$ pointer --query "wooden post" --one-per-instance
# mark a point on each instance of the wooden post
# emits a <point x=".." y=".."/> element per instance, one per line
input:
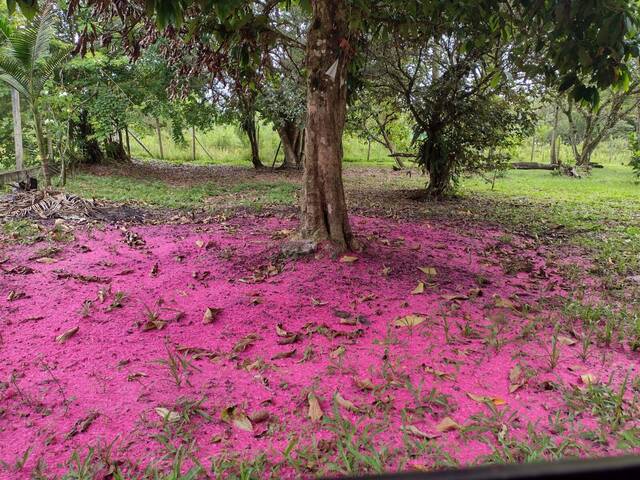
<point x="126" y="136"/>
<point x="159" y="131"/>
<point x="368" y="150"/>
<point x="533" y="147"/>
<point x="193" y="143"/>
<point x="17" y="128"/>
<point x="554" y="136"/>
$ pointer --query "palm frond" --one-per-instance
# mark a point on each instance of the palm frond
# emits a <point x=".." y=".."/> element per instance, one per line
<point x="5" y="29"/>
<point x="13" y="72"/>
<point x="43" y="25"/>
<point x="30" y="44"/>
<point x="47" y="68"/>
<point x="12" y="82"/>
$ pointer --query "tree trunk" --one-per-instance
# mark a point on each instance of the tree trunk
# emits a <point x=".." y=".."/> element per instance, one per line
<point x="249" y="127"/>
<point x="159" y="131"/>
<point x="126" y="136"/>
<point x="300" y="145"/>
<point x="83" y="132"/>
<point x="324" y="208"/>
<point x="439" y="166"/>
<point x="17" y="128"/>
<point x="533" y="148"/>
<point x="42" y="147"/>
<point x="289" y="136"/>
<point x="193" y="143"/>
<point x="554" y="159"/>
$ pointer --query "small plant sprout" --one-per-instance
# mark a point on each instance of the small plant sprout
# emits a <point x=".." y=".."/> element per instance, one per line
<point x="554" y="352"/>
<point x="118" y="301"/>
<point x="180" y="368"/>
<point x="85" y="310"/>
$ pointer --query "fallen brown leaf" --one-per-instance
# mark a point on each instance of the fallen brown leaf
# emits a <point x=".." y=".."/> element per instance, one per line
<point x="281" y="355"/>
<point x="447" y="424"/>
<point x="236" y="417"/>
<point x="210" y="314"/>
<point x="409" y="320"/>
<point x="416" y="432"/>
<point x="167" y="415"/>
<point x="430" y="271"/>
<point x="245" y="343"/>
<point x="315" y="412"/>
<point x="346" y="404"/>
<point x="497" y="401"/>
<point x="364" y="383"/>
<point x="67" y="335"/>
<point x="82" y="425"/>
<point x="419" y="289"/>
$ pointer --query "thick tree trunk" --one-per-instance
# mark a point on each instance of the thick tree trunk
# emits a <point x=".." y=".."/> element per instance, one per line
<point x="17" y="128"/>
<point x="439" y="166"/>
<point x="290" y="136"/>
<point x="324" y="208"/>
<point x="91" y="151"/>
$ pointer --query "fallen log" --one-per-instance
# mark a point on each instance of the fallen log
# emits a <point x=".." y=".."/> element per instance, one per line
<point x="533" y="166"/>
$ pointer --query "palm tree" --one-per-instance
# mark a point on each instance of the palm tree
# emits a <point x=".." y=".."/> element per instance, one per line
<point x="5" y="31"/>
<point x="26" y="64"/>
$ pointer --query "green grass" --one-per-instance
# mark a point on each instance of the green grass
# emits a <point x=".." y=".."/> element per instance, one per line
<point x="600" y="211"/>
<point x="158" y="193"/>
<point x="228" y="146"/>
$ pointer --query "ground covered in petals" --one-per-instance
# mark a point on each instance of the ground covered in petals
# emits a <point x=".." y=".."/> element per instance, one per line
<point x="214" y="346"/>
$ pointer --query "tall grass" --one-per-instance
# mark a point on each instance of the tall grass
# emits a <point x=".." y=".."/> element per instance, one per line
<point x="225" y="144"/>
<point x="614" y="151"/>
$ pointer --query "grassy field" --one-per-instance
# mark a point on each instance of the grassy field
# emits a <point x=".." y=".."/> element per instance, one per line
<point x="226" y="145"/>
<point x="600" y="212"/>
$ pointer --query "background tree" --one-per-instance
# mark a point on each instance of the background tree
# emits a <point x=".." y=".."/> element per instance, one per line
<point x="377" y="118"/>
<point x="589" y="126"/>
<point x="467" y="109"/>
<point x="27" y="64"/>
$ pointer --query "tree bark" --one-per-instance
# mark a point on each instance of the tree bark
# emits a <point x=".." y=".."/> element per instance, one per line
<point x="249" y="127"/>
<point x="42" y="147"/>
<point x="290" y="136"/>
<point x="324" y="209"/>
<point x="17" y="128"/>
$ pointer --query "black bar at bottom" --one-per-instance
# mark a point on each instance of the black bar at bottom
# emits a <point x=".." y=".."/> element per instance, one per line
<point x="605" y="468"/>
